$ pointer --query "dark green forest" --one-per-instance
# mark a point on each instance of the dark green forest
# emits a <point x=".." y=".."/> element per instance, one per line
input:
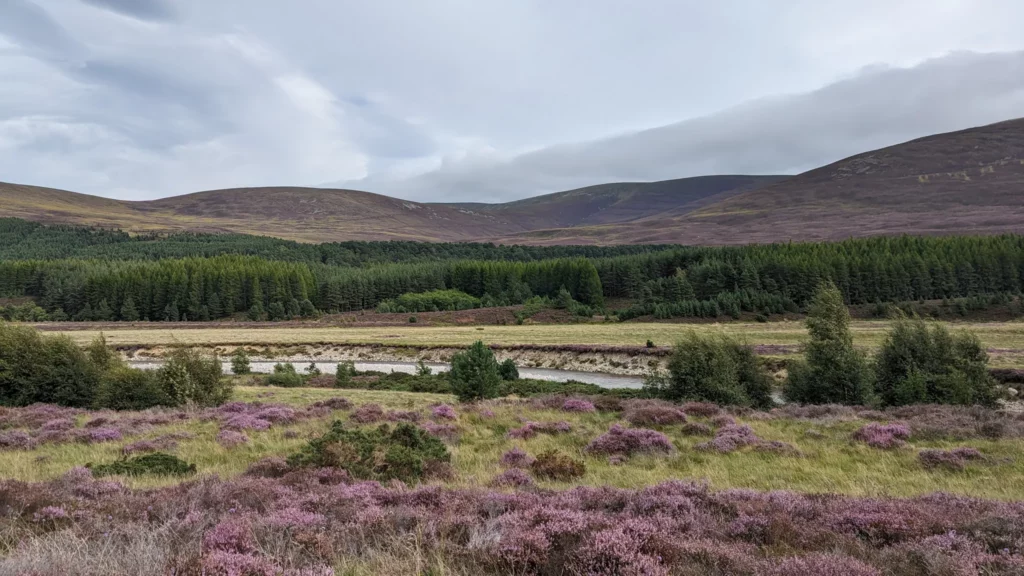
<point x="86" y="274"/>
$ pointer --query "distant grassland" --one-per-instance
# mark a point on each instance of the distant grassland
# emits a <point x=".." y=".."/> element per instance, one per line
<point x="1004" y="339"/>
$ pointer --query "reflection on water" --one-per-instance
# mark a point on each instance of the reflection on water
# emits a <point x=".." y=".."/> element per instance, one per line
<point x="600" y="379"/>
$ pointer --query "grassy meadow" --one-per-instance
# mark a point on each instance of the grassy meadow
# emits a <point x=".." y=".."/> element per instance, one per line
<point x="829" y="462"/>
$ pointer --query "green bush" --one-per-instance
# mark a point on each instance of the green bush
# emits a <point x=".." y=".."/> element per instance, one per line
<point x="191" y="377"/>
<point x="240" y="362"/>
<point x="917" y="364"/>
<point x="474" y="374"/>
<point x="405" y="452"/>
<point x="832" y="372"/>
<point x="155" y="464"/>
<point x="343" y="374"/>
<point x="555" y="465"/>
<point x="714" y="369"/>
<point x="126" y="388"/>
<point x="285" y="376"/>
<point x="49" y="369"/>
<point x="431" y="301"/>
<point x="508" y="370"/>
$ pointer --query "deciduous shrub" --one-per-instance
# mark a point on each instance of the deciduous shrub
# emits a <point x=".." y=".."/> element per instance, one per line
<point x="630" y="441"/>
<point x="155" y="464"/>
<point x="124" y="388"/>
<point x="46" y="369"/>
<point x="474" y="373"/>
<point x="559" y="466"/>
<point x="832" y="372"/>
<point x="404" y="452"/>
<point x="191" y="377"/>
<point x="714" y="369"/>
<point x="286" y="376"/>
<point x="918" y="364"/>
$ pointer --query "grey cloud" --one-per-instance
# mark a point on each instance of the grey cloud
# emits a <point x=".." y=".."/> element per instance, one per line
<point x="879" y="107"/>
<point x="32" y="27"/>
<point x="140" y="9"/>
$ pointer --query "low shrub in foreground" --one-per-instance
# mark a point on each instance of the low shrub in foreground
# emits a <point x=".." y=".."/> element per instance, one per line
<point x="155" y="464"/>
<point x="653" y="413"/>
<point x="404" y="452"/>
<point x="954" y="459"/>
<point x="630" y="441"/>
<point x="558" y="466"/>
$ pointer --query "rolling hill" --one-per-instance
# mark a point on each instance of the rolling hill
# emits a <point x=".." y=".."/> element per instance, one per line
<point x="966" y="182"/>
<point x="971" y="181"/>
<point x="321" y="215"/>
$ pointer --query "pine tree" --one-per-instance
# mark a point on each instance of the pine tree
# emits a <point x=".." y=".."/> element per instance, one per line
<point x="128" y="311"/>
<point x="474" y="373"/>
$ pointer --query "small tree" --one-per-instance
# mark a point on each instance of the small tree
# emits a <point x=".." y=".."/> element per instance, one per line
<point x="474" y="374"/>
<point x="508" y="370"/>
<point x="343" y="375"/>
<point x="832" y="372"/>
<point x="422" y="369"/>
<point x="312" y="370"/>
<point x="192" y="377"/>
<point x="240" y="362"/>
<point x="129" y="313"/>
<point x="920" y="365"/>
<point x="714" y="369"/>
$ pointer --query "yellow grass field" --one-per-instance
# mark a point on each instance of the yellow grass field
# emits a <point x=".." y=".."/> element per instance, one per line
<point x="999" y="337"/>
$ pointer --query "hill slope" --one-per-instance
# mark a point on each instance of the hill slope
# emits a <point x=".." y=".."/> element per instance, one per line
<point x="321" y="215"/>
<point x="968" y="182"/>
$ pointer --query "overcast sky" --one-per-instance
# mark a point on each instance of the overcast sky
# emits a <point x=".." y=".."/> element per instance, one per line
<point x="482" y="100"/>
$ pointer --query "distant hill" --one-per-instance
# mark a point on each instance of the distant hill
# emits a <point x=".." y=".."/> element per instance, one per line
<point x="320" y="215"/>
<point x="966" y="182"/>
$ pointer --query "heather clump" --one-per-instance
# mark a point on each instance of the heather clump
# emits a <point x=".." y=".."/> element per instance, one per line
<point x="230" y="438"/>
<point x="630" y="441"/>
<point x="532" y="429"/>
<point x="444" y="412"/>
<point x="701" y="409"/>
<point x="558" y="466"/>
<point x="729" y="438"/>
<point x="653" y="413"/>
<point x="512" y="478"/>
<point x="516" y="458"/>
<point x="697" y="429"/>
<point x="883" y="436"/>
<point x="955" y="459"/>
<point x="578" y="405"/>
<point x="368" y="414"/>
<point x="404" y="452"/>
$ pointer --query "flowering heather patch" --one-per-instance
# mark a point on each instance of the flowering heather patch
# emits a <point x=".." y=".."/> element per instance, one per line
<point x="245" y="422"/>
<point x="648" y="413"/>
<point x="444" y="412"/>
<point x="954" y="459"/>
<point x="730" y="438"/>
<point x="512" y="478"/>
<point x="884" y="436"/>
<point x="301" y="521"/>
<point x="368" y="414"/>
<point x="97" y="435"/>
<point x="402" y="416"/>
<point x="516" y="458"/>
<point x="230" y="438"/>
<point x="630" y="441"/>
<point x="722" y="421"/>
<point x="578" y="405"/>
<point x="532" y="429"/>
<point x="16" y="440"/>
<point x="448" y="432"/>
<point x="702" y="409"/>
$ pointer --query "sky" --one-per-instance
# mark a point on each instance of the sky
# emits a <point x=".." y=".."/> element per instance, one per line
<point x="482" y="100"/>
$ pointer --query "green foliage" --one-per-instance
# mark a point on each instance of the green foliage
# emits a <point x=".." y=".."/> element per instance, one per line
<point x="124" y="388"/>
<point x="312" y="370"/>
<point x="405" y="452"/>
<point x="920" y="364"/>
<point x="286" y="376"/>
<point x="422" y="369"/>
<point x="431" y="301"/>
<point x="240" y="362"/>
<point x="48" y="369"/>
<point x="191" y="377"/>
<point x="154" y="464"/>
<point x="833" y="372"/>
<point x="558" y="466"/>
<point x="344" y="373"/>
<point x="508" y="370"/>
<point x="714" y="368"/>
<point x="474" y="374"/>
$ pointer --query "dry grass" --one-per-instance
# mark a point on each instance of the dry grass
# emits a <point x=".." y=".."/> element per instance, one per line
<point x="1004" y="339"/>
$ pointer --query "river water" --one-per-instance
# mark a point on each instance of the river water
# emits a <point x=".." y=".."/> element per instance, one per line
<point x="598" y="378"/>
